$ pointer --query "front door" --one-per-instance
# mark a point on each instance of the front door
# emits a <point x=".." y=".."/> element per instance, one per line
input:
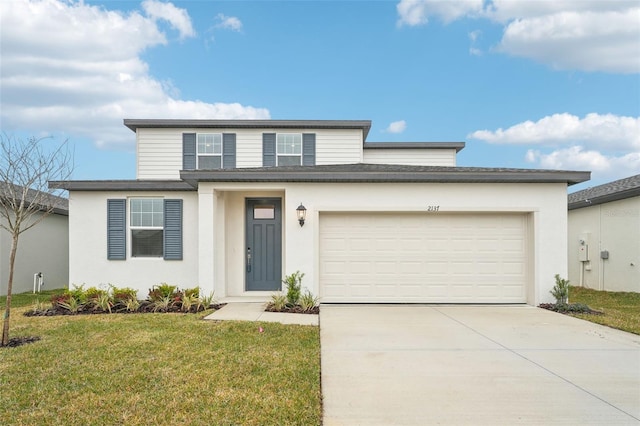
<point x="263" y="256"/>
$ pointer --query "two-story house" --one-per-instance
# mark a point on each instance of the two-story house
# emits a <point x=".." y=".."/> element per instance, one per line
<point x="234" y="205"/>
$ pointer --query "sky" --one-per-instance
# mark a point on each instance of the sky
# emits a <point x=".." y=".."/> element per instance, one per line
<point x="526" y="84"/>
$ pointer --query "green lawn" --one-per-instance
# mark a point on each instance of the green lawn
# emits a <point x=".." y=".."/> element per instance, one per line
<point x="149" y="369"/>
<point x="621" y="309"/>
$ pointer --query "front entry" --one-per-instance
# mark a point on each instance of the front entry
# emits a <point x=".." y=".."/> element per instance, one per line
<point x="263" y="256"/>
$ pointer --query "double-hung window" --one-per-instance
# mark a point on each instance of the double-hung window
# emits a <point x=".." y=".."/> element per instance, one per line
<point x="289" y="149"/>
<point x="147" y="227"/>
<point x="209" y="151"/>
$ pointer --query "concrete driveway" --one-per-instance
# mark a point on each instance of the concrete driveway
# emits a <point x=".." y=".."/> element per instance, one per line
<point x="493" y="365"/>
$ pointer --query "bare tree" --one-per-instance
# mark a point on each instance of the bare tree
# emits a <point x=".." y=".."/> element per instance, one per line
<point x="26" y="167"/>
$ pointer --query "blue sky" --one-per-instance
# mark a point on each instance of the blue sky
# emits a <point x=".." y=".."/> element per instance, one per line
<point x="527" y="84"/>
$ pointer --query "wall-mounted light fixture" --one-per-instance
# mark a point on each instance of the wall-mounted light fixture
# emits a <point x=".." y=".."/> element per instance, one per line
<point x="301" y="211"/>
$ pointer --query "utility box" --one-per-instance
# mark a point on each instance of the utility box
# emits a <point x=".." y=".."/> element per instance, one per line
<point x="583" y="253"/>
<point x="604" y="254"/>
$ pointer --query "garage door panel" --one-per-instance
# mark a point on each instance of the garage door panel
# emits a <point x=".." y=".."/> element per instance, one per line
<point x="419" y="258"/>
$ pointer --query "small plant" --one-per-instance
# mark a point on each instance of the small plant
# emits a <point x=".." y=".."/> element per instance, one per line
<point x="189" y="301"/>
<point x="93" y="293"/>
<point x="278" y="301"/>
<point x="192" y="292"/>
<point x="207" y="301"/>
<point x="131" y="305"/>
<point x="77" y="293"/>
<point x="294" y="284"/>
<point x="162" y="305"/>
<point x="72" y="305"/>
<point x="308" y="301"/>
<point x="561" y="290"/>
<point x="121" y="295"/>
<point x="161" y="291"/>
<point x="39" y="306"/>
<point x="103" y="302"/>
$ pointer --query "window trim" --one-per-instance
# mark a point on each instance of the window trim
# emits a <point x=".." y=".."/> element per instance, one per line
<point x="131" y="227"/>
<point x="220" y="155"/>
<point x="300" y="156"/>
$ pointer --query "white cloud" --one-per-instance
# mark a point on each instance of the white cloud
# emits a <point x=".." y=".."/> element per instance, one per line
<point x="228" y="22"/>
<point x="604" y="166"/>
<point x="607" y="144"/>
<point x="606" y="131"/>
<point x="177" y="18"/>
<point x="397" y="127"/>
<point x="572" y="35"/>
<point x="417" y="12"/>
<point x="76" y="68"/>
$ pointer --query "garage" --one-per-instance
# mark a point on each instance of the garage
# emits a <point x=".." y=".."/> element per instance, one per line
<point x="423" y="257"/>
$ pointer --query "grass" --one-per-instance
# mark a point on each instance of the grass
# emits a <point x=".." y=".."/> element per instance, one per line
<point x="147" y="369"/>
<point x="621" y="309"/>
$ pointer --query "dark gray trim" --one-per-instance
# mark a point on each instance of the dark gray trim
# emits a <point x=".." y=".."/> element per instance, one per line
<point x="228" y="150"/>
<point x="269" y="149"/>
<point x="386" y="173"/>
<point x="613" y="191"/>
<point x="117" y="229"/>
<point x="173" y="229"/>
<point x="189" y="151"/>
<point x="308" y="149"/>
<point x="458" y="146"/>
<point x="122" y="185"/>
<point x="364" y="125"/>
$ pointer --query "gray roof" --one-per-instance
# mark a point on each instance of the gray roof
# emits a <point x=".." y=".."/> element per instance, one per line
<point x="60" y="204"/>
<point x="384" y="173"/>
<point x="122" y="185"/>
<point x="414" y="145"/>
<point x="364" y="125"/>
<point x="612" y="191"/>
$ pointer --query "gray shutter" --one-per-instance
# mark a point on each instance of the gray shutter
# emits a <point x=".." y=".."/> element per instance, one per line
<point x="173" y="229"/>
<point x="188" y="151"/>
<point x="269" y="149"/>
<point x="228" y="150"/>
<point x="308" y="149"/>
<point x="117" y="229"/>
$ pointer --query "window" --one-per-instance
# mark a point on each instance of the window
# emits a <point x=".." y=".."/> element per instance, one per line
<point x="289" y="149"/>
<point x="209" y="150"/>
<point x="147" y="227"/>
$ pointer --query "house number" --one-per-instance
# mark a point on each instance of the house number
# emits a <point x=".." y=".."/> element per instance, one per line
<point x="433" y="208"/>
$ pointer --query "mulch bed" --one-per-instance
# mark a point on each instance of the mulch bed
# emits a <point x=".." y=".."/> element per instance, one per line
<point x="572" y="308"/>
<point x="294" y="310"/>
<point x="145" y="307"/>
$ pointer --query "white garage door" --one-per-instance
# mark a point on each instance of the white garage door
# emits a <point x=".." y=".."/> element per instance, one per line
<point x="437" y="258"/>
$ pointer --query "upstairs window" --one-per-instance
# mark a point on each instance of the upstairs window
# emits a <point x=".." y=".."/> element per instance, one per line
<point x="289" y="149"/>
<point x="209" y="151"/>
<point x="147" y="227"/>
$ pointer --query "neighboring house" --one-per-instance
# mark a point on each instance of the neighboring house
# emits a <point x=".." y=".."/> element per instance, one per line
<point x="43" y="248"/>
<point x="604" y="236"/>
<point x="215" y="204"/>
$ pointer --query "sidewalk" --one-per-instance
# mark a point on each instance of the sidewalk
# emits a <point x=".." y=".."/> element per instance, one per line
<point x="254" y="311"/>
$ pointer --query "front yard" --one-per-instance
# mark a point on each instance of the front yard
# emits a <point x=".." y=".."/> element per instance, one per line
<point x="621" y="309"/>
<point x="147" y="369"/>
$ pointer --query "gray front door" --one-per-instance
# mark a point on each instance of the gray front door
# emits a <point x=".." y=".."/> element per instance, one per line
<point x="263" y="256"/>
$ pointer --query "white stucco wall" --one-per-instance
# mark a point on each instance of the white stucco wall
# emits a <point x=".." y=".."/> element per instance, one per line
<point x="544" y="203"/>
<point x="88" y="246"/>
<point x="43" y="248"/>
<point x="614" y="227"/>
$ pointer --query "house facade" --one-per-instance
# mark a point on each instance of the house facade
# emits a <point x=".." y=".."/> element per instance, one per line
<point x="43" y="249"/>
<point x="604" y="236"/>
<point x="215" y="204"/>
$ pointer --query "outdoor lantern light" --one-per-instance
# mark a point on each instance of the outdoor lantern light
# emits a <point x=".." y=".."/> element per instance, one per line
<point x="301" y="211"/>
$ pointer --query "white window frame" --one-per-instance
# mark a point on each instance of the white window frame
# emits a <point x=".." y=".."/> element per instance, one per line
<point x="132" y="227"/>
<point x="207" y="154"/>
<point x="278" y="154"/>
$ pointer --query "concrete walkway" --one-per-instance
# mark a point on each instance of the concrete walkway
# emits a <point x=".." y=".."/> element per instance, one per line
<point x="254" y="311"/>
<point x="475" y="365"/>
